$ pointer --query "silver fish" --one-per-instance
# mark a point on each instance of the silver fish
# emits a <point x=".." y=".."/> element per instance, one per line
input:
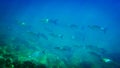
<point x="97" y="27"/>
<point x="47" y="20"/>
<point x="74" y="26"/>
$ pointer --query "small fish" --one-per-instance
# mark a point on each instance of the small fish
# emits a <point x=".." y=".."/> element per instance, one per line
<point x="33" y="33"/>
<point x="97" y="27"/>
<point x="95" y="54"/>
<point x="111" y="61"/>
<point x="38" y="35"/>
<point x="20" y="23"/>
<point x="56" y="35"/>
<point x="47" y="20"/>
<point x="44" y="20"/>
<point x="53" y="21"/>
<point x="96" y="49"/>
<point x="73" y="26"/>
<point x="43" y="36"/>
<point x="62" y="48"/>
<point x="107" y="60"/>
<point x="53" y="35"/>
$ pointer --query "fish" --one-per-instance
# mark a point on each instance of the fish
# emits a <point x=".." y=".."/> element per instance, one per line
<point x="96" y="49"/>
<point x="53" y="34"/>
<point x="97" y="27"/>
<point x="33" y="33"/>
<point x="50" y="21"/>
<point x="38" y="35"/>
<point x="21" y="23"/>
<point x="56" y="35"/>
<point x="95" y="54"/>
<point x="44" y="20"/>
<point x="43" y="36"/>
<point x="64" y="48"/>
<point x="53" y="21"/>
<point x="74" y="26"/>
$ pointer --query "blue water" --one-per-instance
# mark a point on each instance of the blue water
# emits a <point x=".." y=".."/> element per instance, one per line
<point x="71" y="30"/>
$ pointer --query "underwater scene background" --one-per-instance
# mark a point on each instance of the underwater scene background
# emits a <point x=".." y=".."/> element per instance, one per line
<point x="59" y="34"/>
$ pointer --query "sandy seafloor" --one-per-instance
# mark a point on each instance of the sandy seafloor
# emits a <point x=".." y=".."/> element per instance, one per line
<point x="59" y="34"/>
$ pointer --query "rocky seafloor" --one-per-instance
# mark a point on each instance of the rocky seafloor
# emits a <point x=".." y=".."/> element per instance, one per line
<point x="26" y="58"/>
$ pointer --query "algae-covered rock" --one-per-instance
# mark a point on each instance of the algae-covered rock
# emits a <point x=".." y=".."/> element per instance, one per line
<point x="44" y="60"/>
<point x="52" y="61"/>
<point x="17" y="64"/>
<point x="62" y="64"/>
<point x="9" y="62"/>
<point x="41" y="66"/>
<point x="28" y="64"/>
<point x="2" y="62"/>
<point x="2" y="51"/>
<point x="6" y="62"/>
